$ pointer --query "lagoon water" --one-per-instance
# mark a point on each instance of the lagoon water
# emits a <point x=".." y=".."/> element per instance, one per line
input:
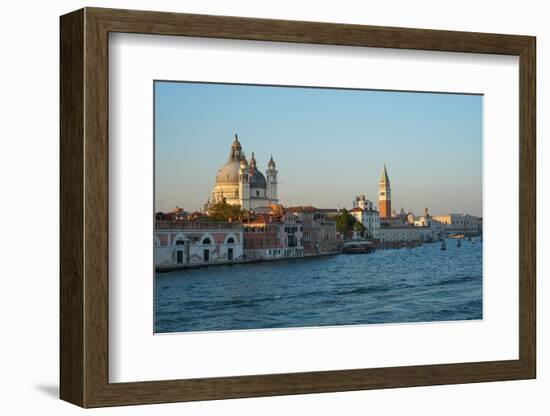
<point x="421" y="284"/>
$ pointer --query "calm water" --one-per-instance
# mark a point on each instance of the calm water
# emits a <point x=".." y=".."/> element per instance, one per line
<point x="421" y="284"/>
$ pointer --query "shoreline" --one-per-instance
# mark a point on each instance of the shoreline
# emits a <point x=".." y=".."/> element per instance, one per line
<point x="398" y="245"/>
<point x="166" y="269"/>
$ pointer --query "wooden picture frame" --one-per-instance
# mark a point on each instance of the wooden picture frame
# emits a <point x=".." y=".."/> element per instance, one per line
<point x="84" y="207"/>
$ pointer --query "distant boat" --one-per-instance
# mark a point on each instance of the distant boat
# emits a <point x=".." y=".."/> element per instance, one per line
<point x="358" y="247"/>
<point x="456" y="236"/>
<point x="443" y="245"/>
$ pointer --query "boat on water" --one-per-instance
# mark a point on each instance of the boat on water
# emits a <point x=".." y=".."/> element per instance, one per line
<point x="358" y="247"/>
<point x="456" y="236"/>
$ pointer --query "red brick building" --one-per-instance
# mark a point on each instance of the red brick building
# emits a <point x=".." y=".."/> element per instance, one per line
<point x="268" y="236"/>
<point x="319" y="231"/>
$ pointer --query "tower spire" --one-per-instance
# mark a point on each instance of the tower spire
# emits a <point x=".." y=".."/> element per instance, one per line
<point x="384" y="175"/>
<point x="384" y="194"/>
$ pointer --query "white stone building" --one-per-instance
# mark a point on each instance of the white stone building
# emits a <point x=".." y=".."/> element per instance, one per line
<point x="370" y="219"/>
<point x="239" y="182"/>
<point x="427" y="220"/>
<point x="460" y="223"/>
<point x="362" y="202"/>
<point x="180" y="244"/>
<point x="406" y="234"/>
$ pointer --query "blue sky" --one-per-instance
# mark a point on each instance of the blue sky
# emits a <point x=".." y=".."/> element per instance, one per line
<point x="329" y="144"/>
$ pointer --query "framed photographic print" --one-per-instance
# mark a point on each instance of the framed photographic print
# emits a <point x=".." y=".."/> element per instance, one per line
<point x="255" y="207"/>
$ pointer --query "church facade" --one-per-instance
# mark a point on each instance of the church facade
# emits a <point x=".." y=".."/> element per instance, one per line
<point x="240" y="182"/>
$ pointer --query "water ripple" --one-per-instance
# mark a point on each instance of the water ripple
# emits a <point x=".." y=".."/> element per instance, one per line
<point x="422" y="284"/>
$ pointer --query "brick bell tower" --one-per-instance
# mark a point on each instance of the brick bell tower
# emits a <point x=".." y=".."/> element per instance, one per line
<point x="384" y="194"/>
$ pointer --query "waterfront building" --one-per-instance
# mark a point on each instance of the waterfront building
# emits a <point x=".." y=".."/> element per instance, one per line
<point x="397" y="220"/>
<point x="405" y="233"/>
<point x="427" y="220"/>
<point x="362" y="202"/>
<point x="424" y="220"/>
<point x="460" y="223"/>
<point x="319" y="231"/>
<point x="182" y="243"/>
<point x="384" y="195"/>
<point x="369" y="217"/>
<point x="268" y="237"/>
<point x="239" y="182"/>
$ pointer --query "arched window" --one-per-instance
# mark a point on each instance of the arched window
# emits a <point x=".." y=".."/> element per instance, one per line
<point x="207" y="241"/>
<point x="230" y="240"/>
<point x="180" y="242"/>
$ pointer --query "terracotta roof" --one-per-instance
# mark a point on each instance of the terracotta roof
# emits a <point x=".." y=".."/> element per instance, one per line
<point x="304" y="208"/>
<point x="262" y="219"/>
<point x="310" y="208"/>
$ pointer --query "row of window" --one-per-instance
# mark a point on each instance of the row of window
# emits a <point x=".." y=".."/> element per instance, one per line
<point x="249" y="242"/>
<point x="256" y="229"/>
<point x="263" y="229"/>
<point x="181" y="258"/>
<point x="292" y="241"/>
<point x="286" y="252"/>
<point x="462" y="222"/>
<point x="205" y="241"/>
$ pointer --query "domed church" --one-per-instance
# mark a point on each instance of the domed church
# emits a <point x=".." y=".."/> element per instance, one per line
<point x="240" y="182"/>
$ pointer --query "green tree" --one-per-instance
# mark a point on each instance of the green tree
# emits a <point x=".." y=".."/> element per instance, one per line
<point x="359" y="227"/>
<point x="345" y="222"/>
<point x="222" y="211"/>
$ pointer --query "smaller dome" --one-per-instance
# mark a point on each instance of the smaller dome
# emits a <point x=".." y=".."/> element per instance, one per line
<point x="257" y="180"/>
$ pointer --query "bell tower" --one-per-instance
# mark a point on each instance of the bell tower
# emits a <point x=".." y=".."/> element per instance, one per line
<point x="244" y="184"/>
<point x="271" y="175"/>
<point x="384" y="194"/>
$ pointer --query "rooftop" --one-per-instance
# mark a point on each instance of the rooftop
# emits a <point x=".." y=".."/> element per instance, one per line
<point x="196" y="225"/>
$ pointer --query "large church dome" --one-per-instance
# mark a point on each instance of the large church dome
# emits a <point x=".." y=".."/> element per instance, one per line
<point x="228" y="174"/>
<point x="254" y="192"/>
